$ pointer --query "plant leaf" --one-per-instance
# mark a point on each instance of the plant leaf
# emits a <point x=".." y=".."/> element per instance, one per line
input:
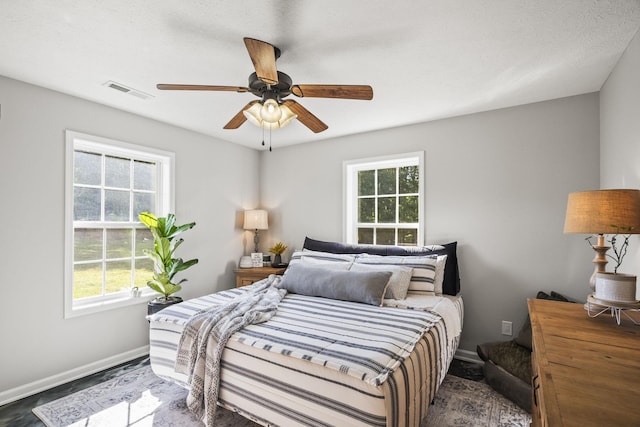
<point x="148" y="219"/>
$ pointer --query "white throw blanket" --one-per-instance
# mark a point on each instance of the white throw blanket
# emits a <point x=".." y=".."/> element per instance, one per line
<point x="206" y="334"/>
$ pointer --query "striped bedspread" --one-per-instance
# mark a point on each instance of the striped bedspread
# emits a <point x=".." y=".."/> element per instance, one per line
<point x="321" y="362"/>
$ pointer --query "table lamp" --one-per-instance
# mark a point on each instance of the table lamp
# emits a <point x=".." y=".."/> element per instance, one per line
<point x="603" y="212"/>
<point x="256" y="220"/>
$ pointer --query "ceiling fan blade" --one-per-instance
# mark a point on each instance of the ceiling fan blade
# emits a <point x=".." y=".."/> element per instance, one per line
<point x="263" y="56"/>
<point x="202" y="87"/>
<point x="305" y="116"/>
<point x="363" y="92"/>
<point x="239" y="118"/>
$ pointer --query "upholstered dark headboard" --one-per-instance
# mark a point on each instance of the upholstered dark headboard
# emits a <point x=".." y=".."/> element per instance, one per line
<point x="451" y="283"/>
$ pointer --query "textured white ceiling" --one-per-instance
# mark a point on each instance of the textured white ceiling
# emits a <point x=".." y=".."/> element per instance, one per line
<point x="424" y="59"/>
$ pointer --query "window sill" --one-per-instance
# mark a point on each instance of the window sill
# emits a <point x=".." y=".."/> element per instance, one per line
<point x="125" y="300"/>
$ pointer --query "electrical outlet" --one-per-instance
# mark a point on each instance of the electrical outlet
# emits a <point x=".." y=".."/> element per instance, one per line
<point x="507" y="328"/>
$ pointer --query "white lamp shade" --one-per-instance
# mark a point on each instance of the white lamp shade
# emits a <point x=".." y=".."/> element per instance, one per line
<point x="270" y="111"/>
<point x="253" y="114"/>
<point x="256" y="220"/>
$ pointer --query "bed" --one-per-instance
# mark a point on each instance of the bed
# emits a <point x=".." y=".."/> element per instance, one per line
<point x="328" y="360"/>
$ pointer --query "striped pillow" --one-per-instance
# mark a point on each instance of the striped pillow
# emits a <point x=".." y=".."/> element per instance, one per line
<point x="324" y="259"/>
<point x="424" y="269"/>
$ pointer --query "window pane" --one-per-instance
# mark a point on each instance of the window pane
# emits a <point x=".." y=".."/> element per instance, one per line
<point x="87" y="280"/>
<point x="87" y="244"/>
<point x="408" y="208"/>
<point x="118" y="276"/>
<point x="387" y="209"/>
<point x="386" y="236"/>
<point x="409" y="179"/>
<point x="87" y="168"/>
<point x="143" y="202"/>
<point x="366" y="183"/>
<point x="366" y="210"/>
<point x="86" y="204"/>
<point x="118" y="243"/>
<point x="117" y="172"/>
<point x="365" y="236"/>
<point x="116" y="205"/>
<point x="144" y="175"/>
<point x="387" y="181"/>
<point x="407" y="236"/>
<point x="144" y="240"/>
<point x="144" y="272"/>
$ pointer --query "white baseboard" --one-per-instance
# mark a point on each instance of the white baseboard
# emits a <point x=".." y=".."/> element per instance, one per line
<point x="73" y="374"/>
<point x="468" y="356"/>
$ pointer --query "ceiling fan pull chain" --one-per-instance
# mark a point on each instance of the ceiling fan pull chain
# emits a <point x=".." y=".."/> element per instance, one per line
<point x="262" y="135"/>
<point x="270" y="138"/>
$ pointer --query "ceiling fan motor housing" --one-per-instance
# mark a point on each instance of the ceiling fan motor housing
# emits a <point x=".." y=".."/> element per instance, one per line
<point x="278" y="91"/>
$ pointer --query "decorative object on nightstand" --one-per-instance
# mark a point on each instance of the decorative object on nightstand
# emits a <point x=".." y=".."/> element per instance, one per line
<point x="612" y="212"/>
<point x="247" y="276"/>
<point x="256" y="220"/>
<point x="245" y="262"/>
<point x="277" y="250"/>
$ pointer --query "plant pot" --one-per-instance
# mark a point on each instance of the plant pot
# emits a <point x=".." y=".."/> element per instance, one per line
<point x="277" y="260"/>
<point x="159" y="303"/>
<point x="615" y="287"/>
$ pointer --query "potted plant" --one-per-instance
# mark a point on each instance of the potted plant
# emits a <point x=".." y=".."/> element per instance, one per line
<point x="277" y="250"/>
<point x="614" y="286"/>
<point x="165" y="266"/>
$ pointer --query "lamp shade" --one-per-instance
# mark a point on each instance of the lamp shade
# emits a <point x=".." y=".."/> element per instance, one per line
<point x="254" y="115"/>
<point x="270" y="111"/>
<point x="603" y="212"/>
<point x="256" y="220"/>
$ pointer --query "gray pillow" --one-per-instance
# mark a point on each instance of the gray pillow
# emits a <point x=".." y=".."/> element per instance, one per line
<point x="399" y="281"/>
<point x="357" y="286"/>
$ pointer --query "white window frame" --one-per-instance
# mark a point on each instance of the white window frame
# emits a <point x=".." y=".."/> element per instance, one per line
<point x="350" y="189"/>
<point x="164" y="204"/>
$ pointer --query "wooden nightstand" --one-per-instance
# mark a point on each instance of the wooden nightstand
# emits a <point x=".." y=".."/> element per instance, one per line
<point x="247" y="276"/>
<point x="585" y="370"/>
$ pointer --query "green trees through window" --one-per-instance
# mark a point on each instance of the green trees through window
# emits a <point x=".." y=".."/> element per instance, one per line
<point x="386" y="209"/>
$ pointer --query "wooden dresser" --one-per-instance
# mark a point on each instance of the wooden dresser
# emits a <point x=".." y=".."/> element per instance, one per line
<point x="585" y="371"/>
<point x="247" y="276"/>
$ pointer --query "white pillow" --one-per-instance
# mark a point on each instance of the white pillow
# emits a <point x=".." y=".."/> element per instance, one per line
<point x="439" y="279"/>
<point x="424" y="269"/>
<point x="398" y="282"/>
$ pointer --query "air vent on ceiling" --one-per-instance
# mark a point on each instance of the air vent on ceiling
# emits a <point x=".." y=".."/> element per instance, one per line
<point x="125" y="89"/>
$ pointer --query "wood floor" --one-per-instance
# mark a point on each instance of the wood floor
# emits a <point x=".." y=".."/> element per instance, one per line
<point x="18" y="413"/>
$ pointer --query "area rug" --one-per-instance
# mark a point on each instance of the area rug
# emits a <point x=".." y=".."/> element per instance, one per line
<point x="139" y="398"/>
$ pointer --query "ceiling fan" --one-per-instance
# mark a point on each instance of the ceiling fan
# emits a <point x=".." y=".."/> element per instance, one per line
<point x="272" y="111"/>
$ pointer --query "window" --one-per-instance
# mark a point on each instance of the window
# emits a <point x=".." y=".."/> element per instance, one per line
<point x="384" y="200"/>
<point x="107" y="184"/>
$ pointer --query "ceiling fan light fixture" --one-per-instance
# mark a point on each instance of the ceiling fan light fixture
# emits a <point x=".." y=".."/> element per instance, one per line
<point x="254" y="115"/>
<point x="287" y="116"/>
<point x="270" y="111"/>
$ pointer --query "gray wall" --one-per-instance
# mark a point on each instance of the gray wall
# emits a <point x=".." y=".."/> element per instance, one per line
<point x="215" y="181"/>
<point x="497" y="182"/>
<point x="620" y="136"/>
